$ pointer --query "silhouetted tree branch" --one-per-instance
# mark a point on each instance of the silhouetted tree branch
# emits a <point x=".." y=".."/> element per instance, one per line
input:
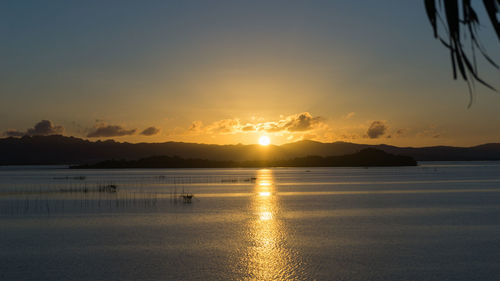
<point x="461" y="21"/>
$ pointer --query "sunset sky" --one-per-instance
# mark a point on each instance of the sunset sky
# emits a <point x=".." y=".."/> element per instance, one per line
<point x="228" y="72"/>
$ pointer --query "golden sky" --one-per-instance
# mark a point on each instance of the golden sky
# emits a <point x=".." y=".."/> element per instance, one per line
<point x="228" y="72"/>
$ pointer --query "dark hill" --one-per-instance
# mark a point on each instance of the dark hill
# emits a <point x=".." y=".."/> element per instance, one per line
<point x="368" y="157"/>
<point x="58" y="149"/>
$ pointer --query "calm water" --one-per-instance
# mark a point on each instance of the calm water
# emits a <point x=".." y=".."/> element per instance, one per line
<point x="437" y="221"/>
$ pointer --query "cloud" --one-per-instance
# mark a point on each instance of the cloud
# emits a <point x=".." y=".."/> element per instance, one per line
<point x="103" y="130"/>
<point x="302" y="122"/>
<point x="349" y="115"/>
<point x="249" y="128"/>
<point x="271" y="127"/>
<point x="294" y="123"/>
<point x="397" y="133"/>
<point x="195" y="126"/>
<point x="347" y="136"/>
<point x="297" y="123"/>
<point x="42" y="128"/>
<point x="309" y="137"/>
<point x="225" y="126"/>
<point x="13" y="133"/>
<point x="45" y="128"/>
<point x="150" y="131"/>
<point x="376" y="129"/>
<point x="430" y="132"/>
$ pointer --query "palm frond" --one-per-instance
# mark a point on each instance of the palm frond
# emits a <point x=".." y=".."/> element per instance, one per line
<point x="461" y="18"/>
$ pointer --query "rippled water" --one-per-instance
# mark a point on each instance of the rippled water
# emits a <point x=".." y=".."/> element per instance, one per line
<point x="437" y="221"/>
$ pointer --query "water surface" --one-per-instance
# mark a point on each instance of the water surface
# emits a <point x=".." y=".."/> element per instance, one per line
<point x="437" y="221"/>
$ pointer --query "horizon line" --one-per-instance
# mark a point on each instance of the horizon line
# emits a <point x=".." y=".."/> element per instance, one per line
<point x="254" y="144"/>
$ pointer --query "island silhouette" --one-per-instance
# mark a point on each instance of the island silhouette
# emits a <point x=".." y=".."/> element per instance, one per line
<point x="367" y="157"/>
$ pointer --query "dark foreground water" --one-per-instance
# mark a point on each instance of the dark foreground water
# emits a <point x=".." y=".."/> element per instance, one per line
<point x="437" y="221"/>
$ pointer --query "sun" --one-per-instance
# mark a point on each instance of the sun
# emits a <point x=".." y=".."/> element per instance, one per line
<point x="264" y="140"/>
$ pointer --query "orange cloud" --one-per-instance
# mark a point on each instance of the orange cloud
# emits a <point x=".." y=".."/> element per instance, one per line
<point x="195" y="126"/>
<point x="302" y="122"/>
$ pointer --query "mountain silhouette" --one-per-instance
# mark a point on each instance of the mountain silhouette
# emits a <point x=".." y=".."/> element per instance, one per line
<point x="57" y="149"/>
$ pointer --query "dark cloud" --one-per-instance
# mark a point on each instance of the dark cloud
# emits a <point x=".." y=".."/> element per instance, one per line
<point x="376" y="129"/>
<point x="302" y="122"/>
<point x="349" y="136"/>
<point x="107" y="131"/>
<point x="150" y="131"/>
<point x="45" y="128"/>
<point x="42" y="128"/>
<point x="400" y="132"/>
<point x="14" y="133"/>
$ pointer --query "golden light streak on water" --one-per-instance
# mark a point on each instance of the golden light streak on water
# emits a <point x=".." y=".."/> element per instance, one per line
<point x="265" y="193"/>
<point x="268" y="257"/>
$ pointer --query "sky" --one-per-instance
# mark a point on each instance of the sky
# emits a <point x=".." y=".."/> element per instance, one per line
<point x="228" y="72"/>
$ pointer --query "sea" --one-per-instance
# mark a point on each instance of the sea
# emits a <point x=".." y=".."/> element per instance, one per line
<point x="436" y="221"/>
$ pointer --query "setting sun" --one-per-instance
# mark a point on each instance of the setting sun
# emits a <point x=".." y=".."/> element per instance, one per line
<point x="264" y="140"/>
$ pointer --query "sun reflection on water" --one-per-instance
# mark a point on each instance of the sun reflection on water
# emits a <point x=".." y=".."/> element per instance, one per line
<point x="267" y="257"/>
<point x="265" y="193"/>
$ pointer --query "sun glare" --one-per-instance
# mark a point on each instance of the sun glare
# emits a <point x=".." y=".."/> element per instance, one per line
<point x="264" y="140"/>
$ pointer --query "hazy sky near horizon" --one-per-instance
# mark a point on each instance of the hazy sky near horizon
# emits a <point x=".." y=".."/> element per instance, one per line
<point x="231" y="71"/>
